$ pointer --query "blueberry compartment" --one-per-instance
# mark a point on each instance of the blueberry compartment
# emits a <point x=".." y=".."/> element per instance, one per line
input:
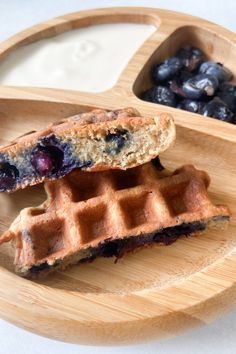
<point x="215" y="48"/>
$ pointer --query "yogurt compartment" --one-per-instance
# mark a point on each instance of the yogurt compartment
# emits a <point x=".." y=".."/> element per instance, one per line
<point x="87" y="59"/>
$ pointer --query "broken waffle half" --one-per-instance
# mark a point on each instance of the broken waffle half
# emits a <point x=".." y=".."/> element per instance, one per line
<point x="110" y="213"/>
<point x="97" y="140"/>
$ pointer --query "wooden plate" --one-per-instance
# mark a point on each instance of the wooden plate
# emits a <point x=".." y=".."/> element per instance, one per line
<point x="156" y="292"/>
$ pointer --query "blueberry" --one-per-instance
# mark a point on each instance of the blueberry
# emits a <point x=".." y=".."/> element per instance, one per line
<point x="183" y="76"/>
<point x="8" y="175"/>
<point x="162" y="95"/>
<point x="116" y="141"/>
<point x="227" y="92"/>
<point x="216" y="108"/>
<point x="47" y="160"/>
<point x="176" y="84"/>
<point x="190" y="57"/>
<point x="217" y="70"/>
<point x="191" y="105"/>
<point x="166" y="70"/>
<point x="199" y="85"/>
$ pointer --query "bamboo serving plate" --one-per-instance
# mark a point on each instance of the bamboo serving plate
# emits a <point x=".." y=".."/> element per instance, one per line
<point x="158" y="292"/>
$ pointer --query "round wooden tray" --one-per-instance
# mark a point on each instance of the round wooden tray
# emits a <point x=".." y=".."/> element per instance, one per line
<point x="156" y="292"/>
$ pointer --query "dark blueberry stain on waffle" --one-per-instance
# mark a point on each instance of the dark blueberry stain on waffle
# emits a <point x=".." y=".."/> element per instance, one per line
<point x="8" y="176"/>
<point x="38" y="268"/>
<point x="167" y="236"/>
<point x="110" y="248"/>
<point x="117" y="248"/>
<point x="116" y="141"/>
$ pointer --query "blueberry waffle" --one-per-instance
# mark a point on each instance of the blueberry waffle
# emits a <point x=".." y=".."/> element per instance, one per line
<point x="98" y="140"/>
<point x="110" y="213"/>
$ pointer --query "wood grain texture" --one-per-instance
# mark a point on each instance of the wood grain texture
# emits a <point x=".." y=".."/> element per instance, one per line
<point x="157" y="292"/>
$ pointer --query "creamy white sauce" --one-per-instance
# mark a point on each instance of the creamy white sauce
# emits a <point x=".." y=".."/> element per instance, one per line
<point x="87" y="59"/>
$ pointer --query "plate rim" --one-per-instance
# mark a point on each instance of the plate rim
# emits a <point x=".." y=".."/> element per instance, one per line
<point x="28" y="293"/>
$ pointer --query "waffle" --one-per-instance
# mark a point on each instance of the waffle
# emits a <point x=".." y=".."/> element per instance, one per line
<point x="98" y="140"/>
<point x="110" y="213"/>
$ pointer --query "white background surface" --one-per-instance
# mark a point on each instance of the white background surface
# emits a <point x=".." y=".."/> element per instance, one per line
<point x="217" y="338"/>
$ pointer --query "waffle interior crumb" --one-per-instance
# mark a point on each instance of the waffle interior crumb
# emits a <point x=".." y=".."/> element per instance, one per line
<point x="99" y="141"/>
<point x="123" y="148"/>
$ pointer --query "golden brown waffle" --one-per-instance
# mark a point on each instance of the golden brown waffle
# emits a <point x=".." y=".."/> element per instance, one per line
<point x="109" y="213"/>
<point x="93" y="141"/>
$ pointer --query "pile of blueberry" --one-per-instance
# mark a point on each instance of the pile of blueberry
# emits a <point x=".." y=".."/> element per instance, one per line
<point x="187" y="81"/>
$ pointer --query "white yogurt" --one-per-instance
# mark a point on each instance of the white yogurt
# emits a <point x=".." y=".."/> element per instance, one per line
<point x="87" y="59"/>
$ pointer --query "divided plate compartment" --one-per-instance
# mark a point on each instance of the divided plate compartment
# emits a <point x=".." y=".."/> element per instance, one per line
<point x="158" y="292"/>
